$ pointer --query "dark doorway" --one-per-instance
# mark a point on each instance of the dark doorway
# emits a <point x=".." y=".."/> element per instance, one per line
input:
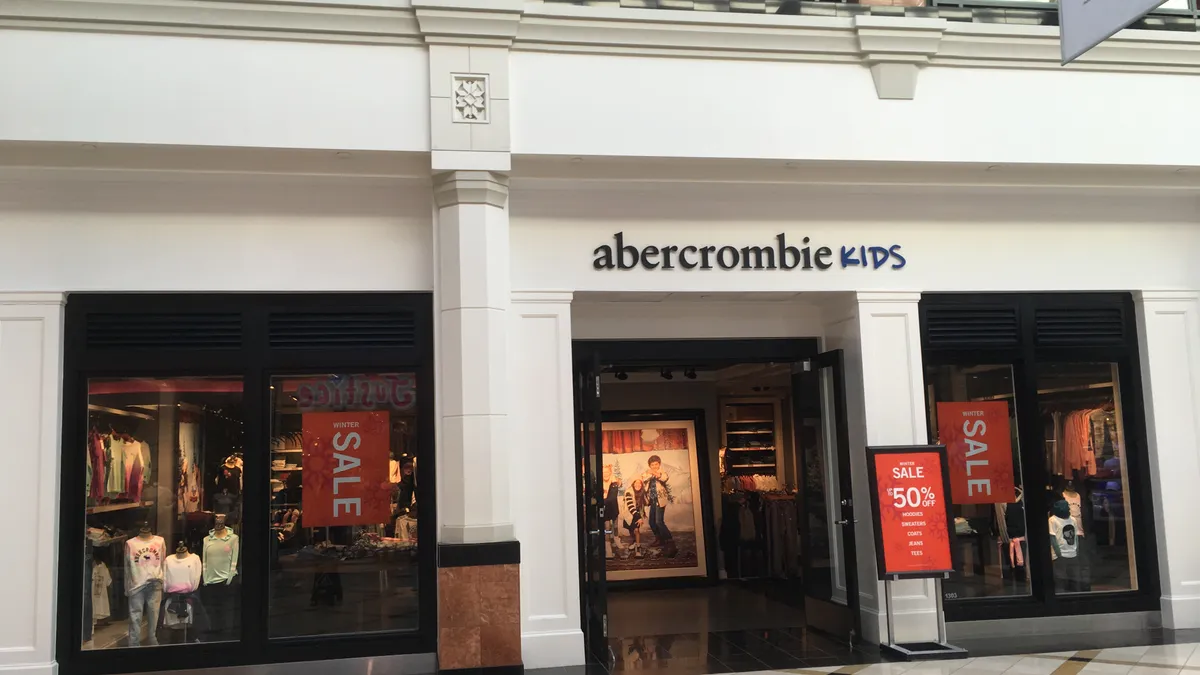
<point x="708" y="526"/>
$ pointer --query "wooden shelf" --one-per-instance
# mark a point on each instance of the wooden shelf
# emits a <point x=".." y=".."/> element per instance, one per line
<point x="762" y="424"/>
<point x="766" y="449"/>
<point x="299" y="468"/>
<point x="746" y="433"/>
<point x="286" y="452"/>
<point x="750" y="421"/>
<point x="106" y="508"/>
<point x="752" y="466"/>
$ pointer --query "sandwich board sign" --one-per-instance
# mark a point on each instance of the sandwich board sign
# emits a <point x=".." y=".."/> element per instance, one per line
<point x="1087" y="23"/>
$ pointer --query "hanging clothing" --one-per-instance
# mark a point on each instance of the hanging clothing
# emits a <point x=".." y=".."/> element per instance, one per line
<point x="101" y="581"/>
<point x="189" y="470"/>
<point x="96" y="462"/>
<point x="1078" y="453"/>
<point x="229" y="478"/>
<point x="114" y="464"/>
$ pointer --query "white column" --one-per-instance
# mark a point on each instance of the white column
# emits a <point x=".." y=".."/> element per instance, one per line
<point x="1169" y="331"/>
<point x="545" y="517"/>
<point x="472" y="302"/>
<point x="31" y="373"/>
<point x="894" y="408"/>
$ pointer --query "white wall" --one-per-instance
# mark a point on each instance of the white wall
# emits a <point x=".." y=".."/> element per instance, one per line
<point x="683" y="107"/>
<point x="201" y="233"/>
<point x="113" y="88"/>
<point x="953" y="241"/>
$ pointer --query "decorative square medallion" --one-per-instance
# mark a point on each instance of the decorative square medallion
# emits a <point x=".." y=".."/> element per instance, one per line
<point x="470" y="93"/>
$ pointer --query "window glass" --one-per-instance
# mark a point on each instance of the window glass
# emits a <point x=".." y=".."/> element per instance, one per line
<point x="1091" y="533"/>
<point x="343" y="516"/>
<point x="973" y="412"/>
<point x="163" y="483"/>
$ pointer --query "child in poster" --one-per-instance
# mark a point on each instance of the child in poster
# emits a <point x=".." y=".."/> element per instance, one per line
<point x="657" y="494"/>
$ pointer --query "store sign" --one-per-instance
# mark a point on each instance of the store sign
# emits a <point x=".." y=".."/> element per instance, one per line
<point x="978" y="441"/>
<point x="397" y="391"/>
<point x="778" y="255"/>
<point x="911" y="514"/>
<point x="346" y="468"/>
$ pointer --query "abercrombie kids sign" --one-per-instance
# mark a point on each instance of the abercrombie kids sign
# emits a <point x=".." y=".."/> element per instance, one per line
<point x="778" y="256"/>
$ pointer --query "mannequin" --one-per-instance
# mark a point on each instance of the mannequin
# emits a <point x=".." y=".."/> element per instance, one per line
<point x="144" y="556"/>
<point x="181" y="609"/>
<point x="220" y="565"/>
<point x="1076" y="503"/>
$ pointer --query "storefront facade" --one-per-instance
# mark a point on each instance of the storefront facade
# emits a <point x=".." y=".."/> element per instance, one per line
<point x="454" y="192"/>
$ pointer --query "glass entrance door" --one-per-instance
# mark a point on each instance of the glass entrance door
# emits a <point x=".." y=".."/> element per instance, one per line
<point x="588" y="449"/>
<point x="827" y="529"/>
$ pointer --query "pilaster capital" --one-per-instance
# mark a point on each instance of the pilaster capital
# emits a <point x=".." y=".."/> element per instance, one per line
<point x="470" y="187"/>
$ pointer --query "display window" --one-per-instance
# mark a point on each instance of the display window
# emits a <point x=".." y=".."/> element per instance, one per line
<point x="343" y="517"/>
<point x="246" y="480"/>
<point x="163" y="510"/>
<point x="1037" y="400"/>
<point x="973" y="412"/>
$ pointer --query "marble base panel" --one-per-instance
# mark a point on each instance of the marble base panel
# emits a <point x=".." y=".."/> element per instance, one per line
<point x="479" y="618"/>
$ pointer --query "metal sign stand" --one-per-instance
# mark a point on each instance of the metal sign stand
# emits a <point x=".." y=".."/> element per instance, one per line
<point x="920" y="651"/>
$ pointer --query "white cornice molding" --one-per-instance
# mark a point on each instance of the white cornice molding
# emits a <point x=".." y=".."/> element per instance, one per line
<point x="469" y="22"/>
<point x="365" y="22"/>
<point x="562" y="28"/>
<point x="552" y="27"/>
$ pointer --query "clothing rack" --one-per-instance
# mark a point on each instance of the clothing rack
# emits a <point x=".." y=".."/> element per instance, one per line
<point x="92" y="407"/>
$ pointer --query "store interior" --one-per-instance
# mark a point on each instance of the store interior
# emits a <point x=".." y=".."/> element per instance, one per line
<point x="164" y="550"/>
<point x="729" y="448"/>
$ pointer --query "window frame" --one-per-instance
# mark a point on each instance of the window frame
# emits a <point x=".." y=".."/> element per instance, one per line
<point x="1025" y="357"/>
<point x="255" y="361"/>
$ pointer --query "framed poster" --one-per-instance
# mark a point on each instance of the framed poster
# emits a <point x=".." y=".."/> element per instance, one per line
<point x="910" y="506"/>
<point x="655" y="495"/>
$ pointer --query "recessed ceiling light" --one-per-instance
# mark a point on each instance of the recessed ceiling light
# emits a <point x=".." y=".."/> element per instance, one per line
<point x="342" y="155"/>
<point x="994" y="167"/>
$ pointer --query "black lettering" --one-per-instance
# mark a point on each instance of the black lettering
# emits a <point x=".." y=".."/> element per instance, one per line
<point x="622" y="249"/>
<point x="789" y="257"/>
<point x="604" y="258"/>
<point x="647" y="253"/>
<point x="667" y="251"/>
<point x="683" y="261"/>
<point x="757" y="252"/>
<point x="721" y="257"/>
<point x="706" y="251"/>
<point x="821" y="258"/>
<point x="807" y="254"/>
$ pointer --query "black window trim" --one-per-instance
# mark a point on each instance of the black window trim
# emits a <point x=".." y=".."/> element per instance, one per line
<point x="1024" y="359"/>
<point x="255" y="363"/>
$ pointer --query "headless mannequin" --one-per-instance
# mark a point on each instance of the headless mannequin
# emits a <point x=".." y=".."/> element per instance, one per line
<point x="144" y="583"/>
<point x="220" y="568"/>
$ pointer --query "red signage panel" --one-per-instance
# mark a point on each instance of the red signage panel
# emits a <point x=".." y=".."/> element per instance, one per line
<point x="978" y="443"/>
<point x="912" y="516"/>
<point x="346" y="468"/>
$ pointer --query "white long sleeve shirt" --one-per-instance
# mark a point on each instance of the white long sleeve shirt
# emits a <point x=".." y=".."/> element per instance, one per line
<point x="182" y="575"/>
<point x="143" y="562"/>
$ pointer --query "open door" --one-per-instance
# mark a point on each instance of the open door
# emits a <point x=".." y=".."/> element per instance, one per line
<point x="588" y="443"/>
<point x="827" y="529"/>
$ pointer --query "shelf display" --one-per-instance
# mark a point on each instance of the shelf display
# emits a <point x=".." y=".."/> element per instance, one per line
<point x="751" y="436"/>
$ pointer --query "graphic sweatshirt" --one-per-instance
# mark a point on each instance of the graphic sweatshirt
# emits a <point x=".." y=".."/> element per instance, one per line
<point x="143" y="562"/>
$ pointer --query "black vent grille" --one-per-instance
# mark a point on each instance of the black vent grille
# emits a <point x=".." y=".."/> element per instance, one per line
<point x="1082" y="327"/>
<point x="971" y="326"/>
<point x="164" y="331"/>
<point x="312" y="330"/>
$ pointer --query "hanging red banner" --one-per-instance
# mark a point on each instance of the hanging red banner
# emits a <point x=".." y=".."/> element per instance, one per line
<point x="912" y="517"/>
<point x="978" y="441"/>
<point x="346" y="469"/>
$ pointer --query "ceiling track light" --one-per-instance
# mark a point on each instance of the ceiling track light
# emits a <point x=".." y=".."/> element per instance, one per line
<point x="667" y="374"/>
<point x="622" y="375"/>
<point x="689" y="373"/>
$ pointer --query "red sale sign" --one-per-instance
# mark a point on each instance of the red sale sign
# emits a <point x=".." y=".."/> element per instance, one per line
<point x="911" y="514"/>
<point x="978" y="441"/>
<point x="346" y="468"/>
